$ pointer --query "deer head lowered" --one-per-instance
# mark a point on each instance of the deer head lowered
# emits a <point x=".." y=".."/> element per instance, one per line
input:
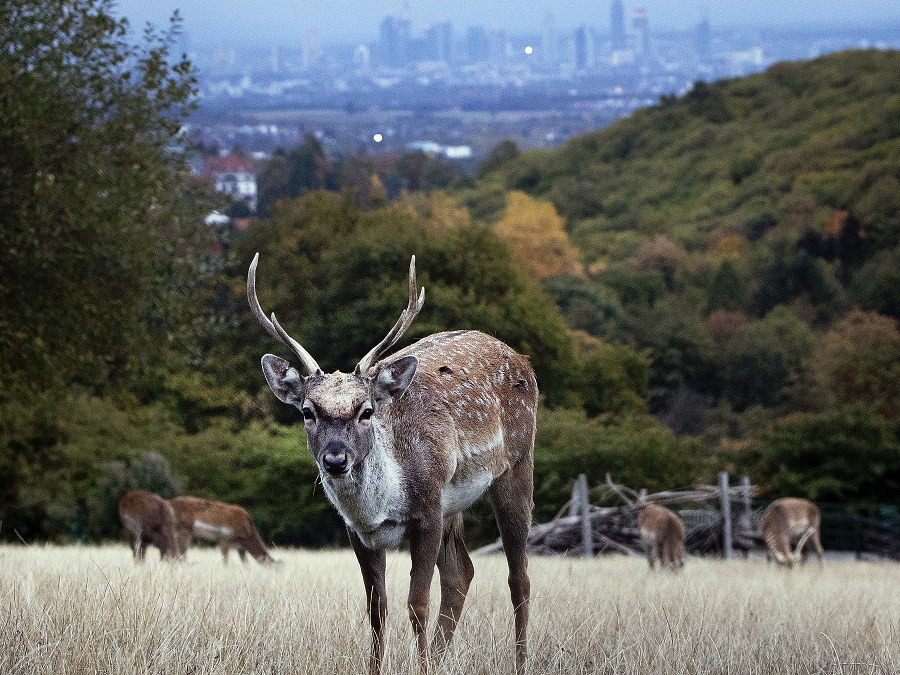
<point x="407" y="442"/>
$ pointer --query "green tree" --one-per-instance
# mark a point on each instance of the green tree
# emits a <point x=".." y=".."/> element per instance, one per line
<point x="764" y="357"/>
<point x="308" y="168"/>
<point x="505" y="151"/>
<point x="98" y="237"/>
<point x="843" y="454"/>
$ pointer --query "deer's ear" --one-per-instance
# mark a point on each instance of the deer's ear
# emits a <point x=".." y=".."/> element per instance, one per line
<point x="393" y="379"/>
<point x="286" y="383"/>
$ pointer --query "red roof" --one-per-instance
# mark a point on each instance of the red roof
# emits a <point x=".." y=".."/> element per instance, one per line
<point x="232" y="163"/>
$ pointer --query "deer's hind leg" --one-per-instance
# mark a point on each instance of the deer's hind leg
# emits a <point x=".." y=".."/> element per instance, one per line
<point x="456" y="570"/>
<point x="512" y="495"/>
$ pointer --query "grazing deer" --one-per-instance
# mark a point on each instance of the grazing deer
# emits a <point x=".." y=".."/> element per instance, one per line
<point x="148" y="519"/>
<point x="228" y="525"/>
<point x="405" y="443"/>
<point x="662" y="534"/>
<point x="790" y="520"/>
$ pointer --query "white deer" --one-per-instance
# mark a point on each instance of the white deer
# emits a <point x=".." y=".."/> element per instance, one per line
<point x="404" y="444"/>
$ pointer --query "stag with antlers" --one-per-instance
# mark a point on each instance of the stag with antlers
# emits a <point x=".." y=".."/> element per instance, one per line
<point x="405" y="443"/>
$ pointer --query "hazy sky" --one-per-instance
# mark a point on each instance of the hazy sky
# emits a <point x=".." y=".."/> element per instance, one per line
<point x="285" y="21"/>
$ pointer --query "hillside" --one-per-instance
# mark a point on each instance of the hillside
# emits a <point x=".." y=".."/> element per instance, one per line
<point x="783" y="150"/>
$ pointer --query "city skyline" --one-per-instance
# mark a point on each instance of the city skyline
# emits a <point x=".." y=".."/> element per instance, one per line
<point x="351" y="21"/>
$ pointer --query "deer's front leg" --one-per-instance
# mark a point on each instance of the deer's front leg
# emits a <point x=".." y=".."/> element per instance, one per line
<point x="424" y="545"/>
<point x="372" y="564"/>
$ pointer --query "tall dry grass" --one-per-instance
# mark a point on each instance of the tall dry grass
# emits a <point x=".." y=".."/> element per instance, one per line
<point x="91" y="610"/>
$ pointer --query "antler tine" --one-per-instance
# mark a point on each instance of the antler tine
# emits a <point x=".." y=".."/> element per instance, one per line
<point x="403" y="323"/>
<point x="272" y="327"/>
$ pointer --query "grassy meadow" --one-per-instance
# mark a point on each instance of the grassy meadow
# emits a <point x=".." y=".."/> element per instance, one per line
<point x="91" y="610"/>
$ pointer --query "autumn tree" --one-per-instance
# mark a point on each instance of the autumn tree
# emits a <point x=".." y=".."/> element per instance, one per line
<point x="860" y="362"/>
<point x="536" y="237"/>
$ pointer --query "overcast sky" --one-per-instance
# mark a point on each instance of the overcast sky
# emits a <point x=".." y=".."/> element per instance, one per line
<point x="285" y="21"/>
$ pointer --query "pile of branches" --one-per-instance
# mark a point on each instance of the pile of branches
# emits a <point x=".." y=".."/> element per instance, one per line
<point x="614" y="529"/>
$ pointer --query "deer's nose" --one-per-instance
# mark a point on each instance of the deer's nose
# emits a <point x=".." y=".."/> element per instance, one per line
<point x="335" y="459"/>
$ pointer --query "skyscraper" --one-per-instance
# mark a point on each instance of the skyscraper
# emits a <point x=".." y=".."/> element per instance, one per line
<point x="312" y="49"/>
<point x="584" y="48"/>
<point x="550" y="41"/>
<point x="641" y="25"/>
<point x="391" y="50"/>
<point x="617" y="22"/>
<point x="703" y="35"/>
<point x="438" y="41"/>
<point x="476" y="44"/>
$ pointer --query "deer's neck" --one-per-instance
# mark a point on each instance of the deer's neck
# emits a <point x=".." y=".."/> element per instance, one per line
<point x="372" y="498"/>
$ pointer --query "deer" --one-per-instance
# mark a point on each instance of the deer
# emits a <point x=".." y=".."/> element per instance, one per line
<point x="148" y="519"/>
<point x="404" y="444"/>
<point x="228" y="525"/>
<point x="790" y="520"/>
<point x="662" y="535"/>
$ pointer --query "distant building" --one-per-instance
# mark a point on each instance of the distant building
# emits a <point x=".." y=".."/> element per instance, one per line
<point x="439" y="42"/>
<point x="703" y="35"/>
<point x="312" y="49"/>
<point x="641" y="24"/>
<point x="362" y="58"/>
<point x="584" y="48"/>
<point x="233" y="175"/>
<point x="476" y="44"/>
<point x="392" y="43"/>
<point x="498" y="47"/>
<point x="549" y="41"/>
<point x="618" y="36"/>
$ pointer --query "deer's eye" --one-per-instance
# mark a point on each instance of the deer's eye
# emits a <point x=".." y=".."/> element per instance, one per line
<point x="366" y="414"/>
<point x="308" y="414"/>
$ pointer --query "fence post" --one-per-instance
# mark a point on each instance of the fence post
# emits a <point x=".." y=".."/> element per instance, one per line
<point x="575" y="502"/>
<point x="584" y="507"/>
<point x="726" y="514"/>
<point x="747" y="519"/>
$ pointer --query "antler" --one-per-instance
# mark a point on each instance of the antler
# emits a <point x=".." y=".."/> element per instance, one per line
<point x="273" y="328"/>
<point x="406" y="318"/>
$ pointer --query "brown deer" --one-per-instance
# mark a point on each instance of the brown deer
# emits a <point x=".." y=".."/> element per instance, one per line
<point x="662" y="534"/>
<point x="405" y="443"/>
<point x="790" y="520"/>
<point x="148" y="519"/>
<point x="228" y="525"/>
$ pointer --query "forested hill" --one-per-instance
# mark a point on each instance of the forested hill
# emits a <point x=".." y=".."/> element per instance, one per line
<point x="783" y="150"/>
<point x="731" y="232"/>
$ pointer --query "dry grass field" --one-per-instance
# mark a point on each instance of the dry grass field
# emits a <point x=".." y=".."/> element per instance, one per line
<point x="91" y="610"/>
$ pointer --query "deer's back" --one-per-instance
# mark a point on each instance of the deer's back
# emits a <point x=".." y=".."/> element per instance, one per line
<point x="792" y="514"/>
<point x="473" y="396"/>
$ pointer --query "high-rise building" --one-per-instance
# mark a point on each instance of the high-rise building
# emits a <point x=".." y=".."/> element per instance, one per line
<point x="617" y="21"/>
<point x="312" y="49"/>
<point x="584" y="48"/>
<point x="391" y="44"/>
<point x="476" y="44"/>
<point x="439" y="41"/>
<point x="641" y="25"/>
<point x="498" y="47"/>
<point x="549" y="41"/>
<point x="703" y="35"/>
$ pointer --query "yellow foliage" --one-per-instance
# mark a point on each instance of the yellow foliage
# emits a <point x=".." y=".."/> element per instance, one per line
<point x="442" y="211"/>
<point x="536" y="238"/>
<point x="730" y="247"/>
